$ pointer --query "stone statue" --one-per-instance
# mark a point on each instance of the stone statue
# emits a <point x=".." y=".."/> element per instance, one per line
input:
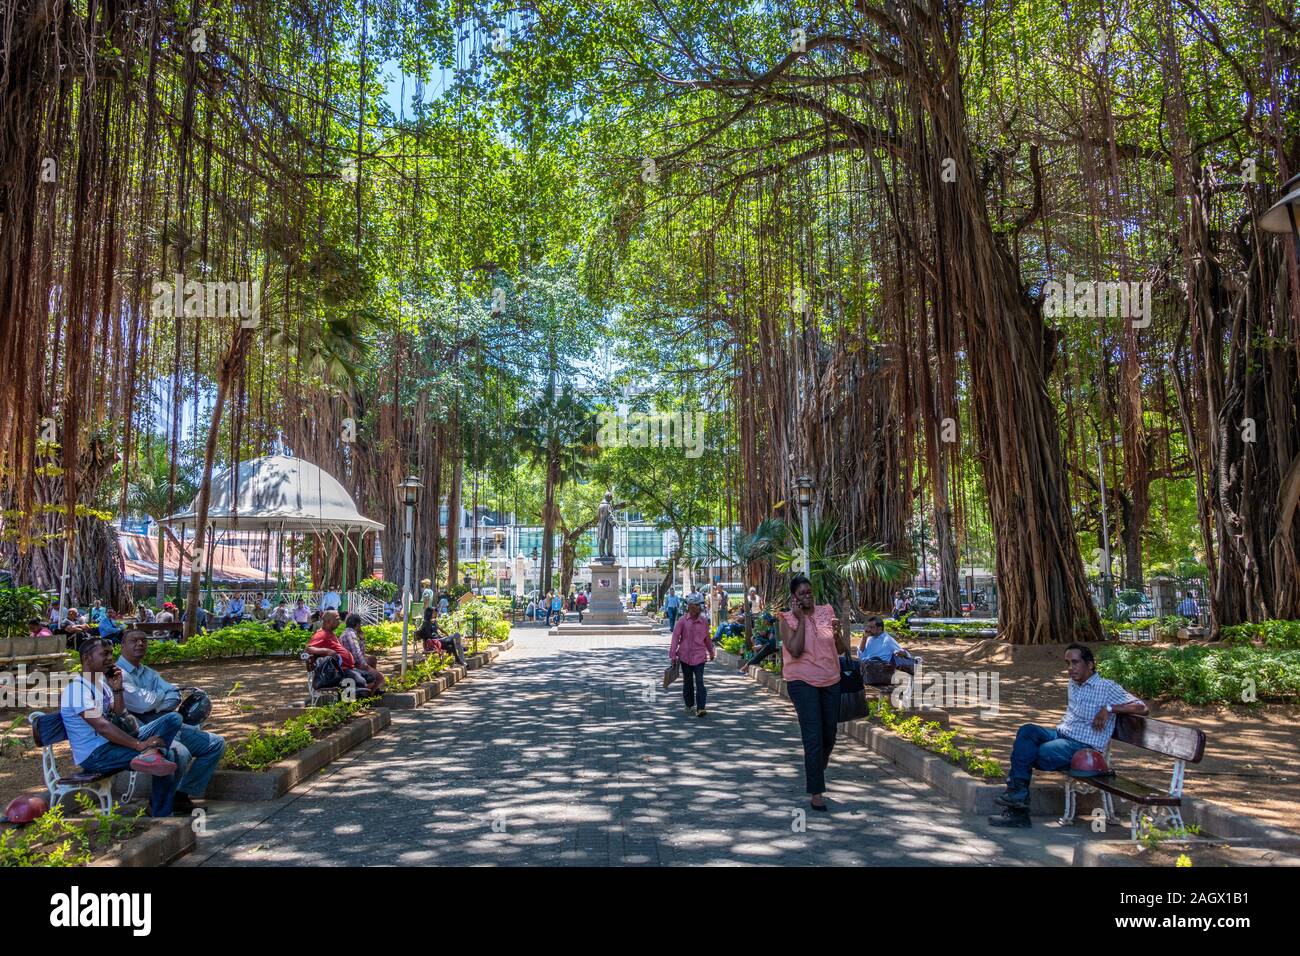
<point x="605" y="529"/>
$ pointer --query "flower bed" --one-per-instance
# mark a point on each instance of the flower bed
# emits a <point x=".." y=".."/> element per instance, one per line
<point x="264" y="748"/>
<point x="57" y="840"/>
<point x="929" y="735"/>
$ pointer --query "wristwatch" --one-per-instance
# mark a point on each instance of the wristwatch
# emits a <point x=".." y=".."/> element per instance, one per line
<point x="1110" y="709"/>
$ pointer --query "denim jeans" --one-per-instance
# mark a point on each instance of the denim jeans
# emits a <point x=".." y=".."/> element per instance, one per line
<point x="1041" y="747"/>
<point x="763" y="649"/>
<point x="111" y="757"/>
<point x="672" y="618"/>
<point x="197" y="755"/>
<point x="819" y="713"/>
<point x="693" y="684"/>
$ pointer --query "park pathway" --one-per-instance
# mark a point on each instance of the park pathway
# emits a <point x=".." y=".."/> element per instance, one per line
<point x="567" y="752"/>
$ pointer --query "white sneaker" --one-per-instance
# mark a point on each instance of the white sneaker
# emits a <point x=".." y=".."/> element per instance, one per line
<point x="690" y="711"/>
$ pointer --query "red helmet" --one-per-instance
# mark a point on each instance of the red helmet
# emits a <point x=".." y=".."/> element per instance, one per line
<point x="26" y="809"/>
<point x="1089" y="763"/>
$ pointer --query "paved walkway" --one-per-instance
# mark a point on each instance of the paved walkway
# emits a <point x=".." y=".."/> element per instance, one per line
<point x="567" y="752"/>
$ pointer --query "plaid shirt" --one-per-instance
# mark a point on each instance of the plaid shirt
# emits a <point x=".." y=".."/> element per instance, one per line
<point x="1085" y="700"/>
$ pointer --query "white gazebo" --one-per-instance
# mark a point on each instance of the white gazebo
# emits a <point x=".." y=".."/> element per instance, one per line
<point x="280" y="494"/>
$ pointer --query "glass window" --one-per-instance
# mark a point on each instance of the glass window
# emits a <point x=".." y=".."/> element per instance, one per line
<point x="645" y="544"/>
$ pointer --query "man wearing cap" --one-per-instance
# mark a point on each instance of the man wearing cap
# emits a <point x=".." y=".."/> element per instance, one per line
<point x="1089" y="721"/>
<point x="691" y="647"/>
<point x="148" y="697"/>
<point x="426" y="596"/>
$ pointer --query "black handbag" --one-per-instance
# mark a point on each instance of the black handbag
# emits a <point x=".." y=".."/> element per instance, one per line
<point x="853" y="693"/>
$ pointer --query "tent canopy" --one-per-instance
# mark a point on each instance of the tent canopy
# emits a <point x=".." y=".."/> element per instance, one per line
<point x="279" y="494"/>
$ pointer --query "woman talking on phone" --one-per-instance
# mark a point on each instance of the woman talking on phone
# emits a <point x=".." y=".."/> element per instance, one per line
<point x="810" y="647"/>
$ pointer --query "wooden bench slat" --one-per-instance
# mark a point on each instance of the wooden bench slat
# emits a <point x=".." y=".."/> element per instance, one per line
<point x="1133" y="791"/>
<point x="1158" y="736"/>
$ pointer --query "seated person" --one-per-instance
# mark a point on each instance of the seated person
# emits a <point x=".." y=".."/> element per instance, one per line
<point x="879" y="645"/>
<point x="36" y="628"/>
<point x="766" y="642"/>
<point x="324" y="643"/>
<point x="730" y="628"/>
<point x="352" y="639"/>
<point x="148" y="696"/>
<point x="167" y="615"/>
<point x="389" y="607"/>
<point x="145" y="613"/>
<point x="281" y="616"/>
<point x="110" y="627"/>
<point x="98" y="744"/>
<point x="97" y="612"/>
<point x="234" y="611"/>
<point x="432" y="637"/>
<point x="76" y="628"/>
<point x="262" y="609"/>
<point x="530" y="612"/>
<point x="302" y="615"/>
<point x="331" y="601"/>
<point x="1091" y="705"/>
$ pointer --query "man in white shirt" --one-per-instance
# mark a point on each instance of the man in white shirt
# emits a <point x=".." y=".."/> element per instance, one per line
<point x="98" y="745"/>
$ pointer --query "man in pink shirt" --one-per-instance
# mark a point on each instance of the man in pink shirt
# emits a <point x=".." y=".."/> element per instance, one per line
<point x="691" y="647"/>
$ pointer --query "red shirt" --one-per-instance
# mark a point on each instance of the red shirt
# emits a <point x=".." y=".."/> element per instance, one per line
<point x="324" y="638"/>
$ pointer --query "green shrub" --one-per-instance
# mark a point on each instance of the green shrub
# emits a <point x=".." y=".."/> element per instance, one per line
<point x="237" y="640"/>
<point x="734" y="644"/>
<point x="1203" y="675"/>
<point x="1276" y="635"/>
<point x="377" y="589"/>
<point x="54" y="840"/>
<point x="420" y="673"/>
<point x="382" y="636"/>
<point x="17" y="607"/>
<point x="264" y="748"/>
<point x="932" y="737"/>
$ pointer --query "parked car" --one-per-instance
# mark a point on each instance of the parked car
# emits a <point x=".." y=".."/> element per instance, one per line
<point x="922" y="599"/>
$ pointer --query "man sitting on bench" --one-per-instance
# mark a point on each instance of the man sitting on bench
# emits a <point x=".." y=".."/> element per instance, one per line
<point x="148" y="697"/>
<point x="324" y="643"/>
<point x="99" y="745"/>
<point x="1089" y="721"/>
<point x="879" y="645"/>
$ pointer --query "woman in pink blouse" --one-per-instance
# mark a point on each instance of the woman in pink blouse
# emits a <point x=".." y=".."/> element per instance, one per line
<point x="810" y="648"/>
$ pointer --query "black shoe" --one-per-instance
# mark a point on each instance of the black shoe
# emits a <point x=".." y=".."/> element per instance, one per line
<point x="1013" y="799"/>
<point x="182" y="805"/>
<point x="820" y="809"/>
<point x="1011" y="818"/>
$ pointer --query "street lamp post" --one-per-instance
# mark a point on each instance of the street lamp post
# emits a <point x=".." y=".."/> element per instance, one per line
<point x="804" y="487"/>
<point x="410" y="491"/>
<point x="1106" y="585"/>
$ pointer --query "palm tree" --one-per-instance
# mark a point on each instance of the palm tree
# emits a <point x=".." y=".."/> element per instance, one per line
<point x="834" y="573"/>
<point x="747" y="549"/>
<point x="151" y="495"/>
<point x="556" y="432"/>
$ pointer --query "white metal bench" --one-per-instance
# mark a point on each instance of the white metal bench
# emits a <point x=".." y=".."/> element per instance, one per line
<point x="60" y="786"/>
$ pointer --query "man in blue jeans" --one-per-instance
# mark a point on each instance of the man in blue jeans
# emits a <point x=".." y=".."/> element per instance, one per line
<point x="100" y="746"/>
<point x="149" y="696"/>
<point x="1089" y="722"/>
<point x="672" y="607"/>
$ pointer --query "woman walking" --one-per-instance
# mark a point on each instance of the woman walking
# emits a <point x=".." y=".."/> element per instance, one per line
<point x="810" y="647"/>
<point x="691" y="647"/>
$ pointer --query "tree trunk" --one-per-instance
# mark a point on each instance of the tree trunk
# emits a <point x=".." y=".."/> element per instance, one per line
<point x="229" y="371"/>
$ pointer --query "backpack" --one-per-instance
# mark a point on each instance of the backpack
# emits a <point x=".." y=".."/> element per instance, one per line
<point x="327" y="674"/>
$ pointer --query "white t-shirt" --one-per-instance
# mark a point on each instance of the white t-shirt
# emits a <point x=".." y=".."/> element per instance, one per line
<point x="80" y="698"/>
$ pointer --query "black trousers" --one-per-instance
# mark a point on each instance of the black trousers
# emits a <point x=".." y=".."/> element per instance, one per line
<point x="693" y="684"/>
<point x="819" y="713"/>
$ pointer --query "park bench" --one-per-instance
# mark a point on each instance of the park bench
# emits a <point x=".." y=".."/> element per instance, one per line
<point x="48" y="730"/>
<point x="314" y="694"/>
<point x="1183" y="745"/>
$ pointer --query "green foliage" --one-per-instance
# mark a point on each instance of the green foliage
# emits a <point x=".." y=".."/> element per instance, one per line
<point x="55" y="840"/>
<point x="1275" y="635"/>
<point x="378" y="589"/>
<point x="478" y="620"/>
<point x="386" y="634"/>
<point x="733" y="644"/>
<point x="930" y="736"/>
<point x="265" y="747"/>
<point x="18" y="605"/>
<point x="237" y="640"/>
<point x="420" y="673"/>
<point x="1151" y="836"/>
<point x="1203" y="675"/>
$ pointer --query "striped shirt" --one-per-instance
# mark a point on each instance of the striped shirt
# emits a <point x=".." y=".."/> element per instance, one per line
<point x="1084" y="701"/>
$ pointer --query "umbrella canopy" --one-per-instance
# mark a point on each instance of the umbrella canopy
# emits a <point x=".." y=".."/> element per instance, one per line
<point x="280" y="494"/>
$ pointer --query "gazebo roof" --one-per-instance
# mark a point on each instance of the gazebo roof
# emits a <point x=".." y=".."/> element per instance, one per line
<point x="281" y="494"/>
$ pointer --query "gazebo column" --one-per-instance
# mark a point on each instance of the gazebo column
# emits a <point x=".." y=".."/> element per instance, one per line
<point x="343" y="591"/>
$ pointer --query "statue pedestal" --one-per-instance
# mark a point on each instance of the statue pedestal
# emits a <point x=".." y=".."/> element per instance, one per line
<point x="606" y="606"/>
